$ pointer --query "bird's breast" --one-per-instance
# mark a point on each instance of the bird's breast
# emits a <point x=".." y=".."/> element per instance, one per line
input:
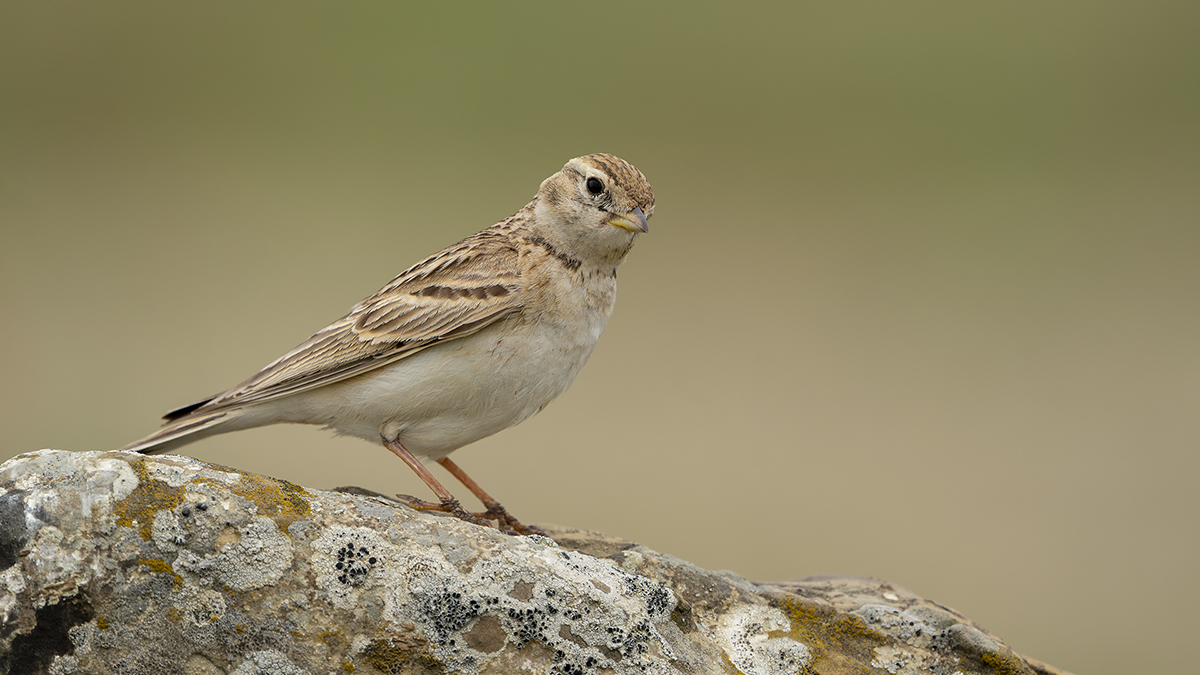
<point x="455" y="393"/>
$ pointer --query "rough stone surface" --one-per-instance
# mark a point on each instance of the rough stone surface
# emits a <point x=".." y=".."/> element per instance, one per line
<point x="113" y="562"/>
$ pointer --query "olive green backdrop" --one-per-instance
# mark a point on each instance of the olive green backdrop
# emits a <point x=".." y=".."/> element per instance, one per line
<point x="920" y="300"/>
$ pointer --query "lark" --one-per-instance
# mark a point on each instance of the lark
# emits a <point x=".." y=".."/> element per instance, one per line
<point x="468" y="342"/>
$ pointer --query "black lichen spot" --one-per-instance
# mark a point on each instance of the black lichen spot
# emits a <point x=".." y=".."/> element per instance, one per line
<point x="658" y="599"/>
<point x="527" y="626"/>
<point x="447" y="613"/>
<point x="354" y="562"/>
<point x="33" y="652"/>
<point x="637" y="640"/>
<point x="632" y="643"/>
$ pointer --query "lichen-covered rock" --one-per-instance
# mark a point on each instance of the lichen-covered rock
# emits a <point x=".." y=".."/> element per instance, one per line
<point x="113" y="562"/>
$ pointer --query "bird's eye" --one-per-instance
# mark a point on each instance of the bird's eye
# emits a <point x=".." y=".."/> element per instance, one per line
<point x="594" y="186"/>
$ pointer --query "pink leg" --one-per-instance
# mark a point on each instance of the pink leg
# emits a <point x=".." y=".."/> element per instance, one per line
<point x="494" y="509"/>
<point x="448" y="503"/>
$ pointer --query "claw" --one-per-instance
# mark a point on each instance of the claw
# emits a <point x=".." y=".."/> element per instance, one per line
<point x="450" y="506"/>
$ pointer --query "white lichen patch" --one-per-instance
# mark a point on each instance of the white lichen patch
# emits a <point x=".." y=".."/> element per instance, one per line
<point x="27" y="471"/>
<point x="12" y="584"/>
<point x="904" y="626"/>
<point x="203" y="607"/>
<point x="54" y="560"/>
<point x="269" y="662"/>
<point x="345" y="560"/>
<point x="568" y="612"/>
<point x="179" y="472"/>
<point x="745" y="634"/>
<point x="257" y="557"/>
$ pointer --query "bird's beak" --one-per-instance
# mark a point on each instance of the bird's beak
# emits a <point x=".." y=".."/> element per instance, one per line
<point x="634" y="221"/>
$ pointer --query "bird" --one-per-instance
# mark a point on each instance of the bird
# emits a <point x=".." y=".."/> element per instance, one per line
<point x="468" y="342"/>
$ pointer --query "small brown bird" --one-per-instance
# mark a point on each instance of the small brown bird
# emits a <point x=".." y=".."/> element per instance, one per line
<point x="468" y="342"/>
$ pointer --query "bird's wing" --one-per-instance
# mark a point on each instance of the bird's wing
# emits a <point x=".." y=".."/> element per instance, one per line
<point x="449" y="295"/>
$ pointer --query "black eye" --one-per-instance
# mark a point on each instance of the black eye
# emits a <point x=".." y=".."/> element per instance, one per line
<point x="594" y="186"/>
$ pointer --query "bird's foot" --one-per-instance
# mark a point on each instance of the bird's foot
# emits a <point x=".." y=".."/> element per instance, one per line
<point x="505" y="521"/>
<point x="450" y="506"/>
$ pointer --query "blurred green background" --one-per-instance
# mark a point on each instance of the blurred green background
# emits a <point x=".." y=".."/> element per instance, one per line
<point x="921" y="298"/>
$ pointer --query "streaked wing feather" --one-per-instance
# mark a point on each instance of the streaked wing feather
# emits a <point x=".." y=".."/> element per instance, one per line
<point x="447" y="296"/>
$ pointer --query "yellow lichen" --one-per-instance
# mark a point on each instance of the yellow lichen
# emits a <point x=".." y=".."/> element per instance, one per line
<point x="839" y="642"/>
<point x="160" y="566"/>
<point x="278" y="500"/>
<point x="148" y="498"/>
<point x="347" y="667"/>
<point x="386" y="657"/>
<point x="332" y="639"/>
<point x="1004" y="664"/>
<point x="101" y="623"/>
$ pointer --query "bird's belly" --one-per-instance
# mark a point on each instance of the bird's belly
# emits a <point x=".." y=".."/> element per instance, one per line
<point x="447" y="396"/>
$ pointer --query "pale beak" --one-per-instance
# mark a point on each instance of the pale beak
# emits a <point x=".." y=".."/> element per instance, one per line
<point x="634" y="221"/>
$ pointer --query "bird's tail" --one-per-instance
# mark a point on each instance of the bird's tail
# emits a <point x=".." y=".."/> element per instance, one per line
<point x="183" y="430"/>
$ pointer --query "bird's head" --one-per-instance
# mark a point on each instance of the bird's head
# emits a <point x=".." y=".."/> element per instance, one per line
<point x="594" y="208"/>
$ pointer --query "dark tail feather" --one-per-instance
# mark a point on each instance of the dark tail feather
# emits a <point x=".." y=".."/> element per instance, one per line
<point x="181" y="431"/>
<point x="185" y="410"/>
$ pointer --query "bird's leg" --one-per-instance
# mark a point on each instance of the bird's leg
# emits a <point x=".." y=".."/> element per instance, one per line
<point x="448" y="503"/>
<point x="495" y="510"/>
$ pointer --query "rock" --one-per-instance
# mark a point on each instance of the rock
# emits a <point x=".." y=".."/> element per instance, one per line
<point x="121" y="563"/>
